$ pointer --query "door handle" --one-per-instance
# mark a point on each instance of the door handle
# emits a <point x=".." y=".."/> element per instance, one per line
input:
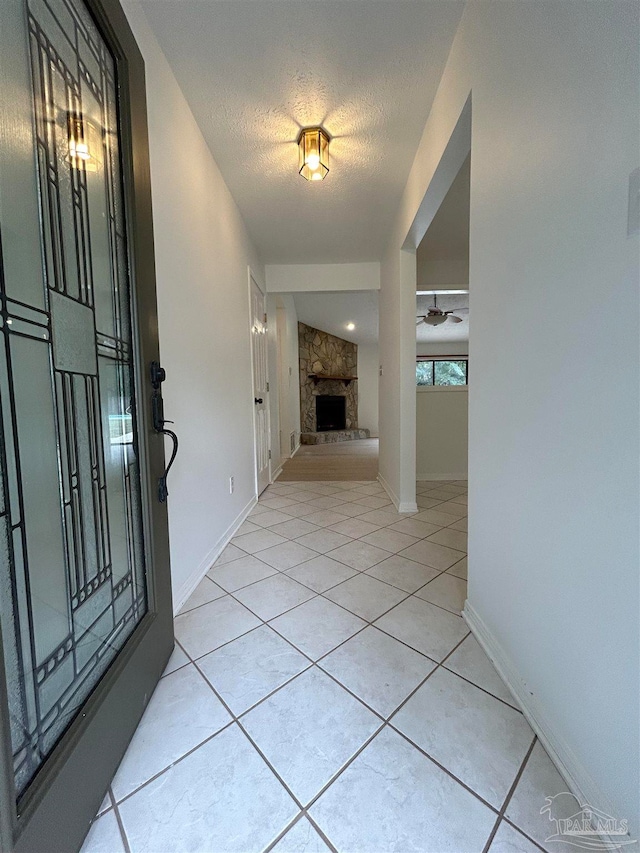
<point x="158" y="376"/>
<point x="258" y="400"/>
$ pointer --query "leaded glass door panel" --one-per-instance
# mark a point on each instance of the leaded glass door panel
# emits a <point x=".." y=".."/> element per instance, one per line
<point x="83" y="547"/>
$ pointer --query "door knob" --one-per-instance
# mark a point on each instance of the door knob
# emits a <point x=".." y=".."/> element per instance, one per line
<point x="257" y="400"/>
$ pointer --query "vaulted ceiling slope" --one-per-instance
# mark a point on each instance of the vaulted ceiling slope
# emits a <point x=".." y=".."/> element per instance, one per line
<point x="256" y="71"/>
<point x="332" y="311"/>
<point x="443" y="254"/>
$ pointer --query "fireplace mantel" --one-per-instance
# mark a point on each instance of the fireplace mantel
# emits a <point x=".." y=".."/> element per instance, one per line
<point x="317" y="377"/>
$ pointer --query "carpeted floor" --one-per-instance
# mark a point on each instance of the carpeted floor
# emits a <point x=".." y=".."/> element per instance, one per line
<point x="345" y="460"/>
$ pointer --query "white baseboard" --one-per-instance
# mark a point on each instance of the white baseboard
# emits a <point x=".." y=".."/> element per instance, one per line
<point x="394" y="498"/>
<point x="275" y="474"/>
<point x="180" y="596"/>
<point x="422" y="476"/>
<point x="579" y="781"/>
<point x="291" y="455"/>
<point x="408" y="507"/>
<point x="401" y="506"/>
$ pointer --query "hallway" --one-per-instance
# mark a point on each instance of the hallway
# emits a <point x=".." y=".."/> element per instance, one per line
<point x="292" y="714"/>
<point x="345" y="460"/>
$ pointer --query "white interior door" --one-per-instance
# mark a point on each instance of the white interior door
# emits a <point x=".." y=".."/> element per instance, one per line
<point x="260" y="385"/>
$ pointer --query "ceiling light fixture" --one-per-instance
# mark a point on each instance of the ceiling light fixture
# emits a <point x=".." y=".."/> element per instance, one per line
<point x="434" y="319"/>
<point x="351" y="326"/>
<point x="436" y="316"/>
<point x="313" y="154"/>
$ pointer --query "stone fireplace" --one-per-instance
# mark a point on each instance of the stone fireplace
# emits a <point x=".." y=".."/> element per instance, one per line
<point x="322" y="354"/>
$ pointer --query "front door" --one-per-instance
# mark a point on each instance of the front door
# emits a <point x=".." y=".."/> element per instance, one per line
<point x="260" y="385"/>
<point x="85" y="599"/>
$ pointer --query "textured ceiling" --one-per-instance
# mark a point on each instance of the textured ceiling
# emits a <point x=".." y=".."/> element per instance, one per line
<point x="448" y="332"/>
<point x="256" y="71"/>
<point x="331" y="311"/>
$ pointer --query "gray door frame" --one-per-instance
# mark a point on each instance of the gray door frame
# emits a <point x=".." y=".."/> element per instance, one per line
<point x="56" y="810"/>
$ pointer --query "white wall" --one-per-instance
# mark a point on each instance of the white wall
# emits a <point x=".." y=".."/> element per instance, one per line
<point x="202" y="253"/>
<point x="442" y="273"/>
<point x="437" y="349"/>
<point x="368" y="366"/>
<point x="553" y="403"/>
<point x="442" y="438"/>
<point x="397" y="387"/>
<point x="291" y="278"/>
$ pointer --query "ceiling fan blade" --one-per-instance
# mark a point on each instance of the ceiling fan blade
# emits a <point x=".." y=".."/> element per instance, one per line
<point x="420" y="321"/>
<point x="455" y="319"/>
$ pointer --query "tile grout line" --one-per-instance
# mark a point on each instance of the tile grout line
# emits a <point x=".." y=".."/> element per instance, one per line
<point x="312" y="663"/>
<point x="359" y="571"/>
<point x="408" y="516"/>
<point x="300" y="817"/>
<point x="295" y="540"/>
<point x="484" y="689"/>
<point x="508" y="796"/>
<point x="369" y="623"/>
<point x="321" y="595"/>
<point x="320" y="832"/>
<point x="403" y="517"/>
<point x="179" y="760"/>
<point x="288" y="610"/>
<point x="123" y="834"/>
<point x="384" y="723"/>
<point x="285" y="572"/>
<point x="380" y="527"/>
<point x="237" y="719"/>
<point x="522" y="832"/>
<point x="437" y="666"/>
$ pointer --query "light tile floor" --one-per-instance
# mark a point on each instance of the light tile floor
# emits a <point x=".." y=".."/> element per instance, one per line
<point x="326" y="694"/>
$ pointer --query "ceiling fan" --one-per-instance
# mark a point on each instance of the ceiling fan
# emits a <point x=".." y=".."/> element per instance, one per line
<point x="435" y="316"/>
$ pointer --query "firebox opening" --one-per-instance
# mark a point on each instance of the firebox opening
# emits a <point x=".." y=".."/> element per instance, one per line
<point x="330" y="413"/>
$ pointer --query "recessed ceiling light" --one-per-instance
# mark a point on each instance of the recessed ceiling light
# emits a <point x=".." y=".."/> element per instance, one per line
<point x="351" y="326"/>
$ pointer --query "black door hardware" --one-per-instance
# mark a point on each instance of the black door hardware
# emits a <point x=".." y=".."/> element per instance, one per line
<point x="257" y="400"/>
<point x="158" y="375"/>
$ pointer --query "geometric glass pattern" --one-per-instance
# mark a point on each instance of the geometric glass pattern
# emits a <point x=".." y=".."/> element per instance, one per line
<point x="72" y="572"/>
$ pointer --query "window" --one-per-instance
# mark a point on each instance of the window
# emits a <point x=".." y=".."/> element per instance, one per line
<point x="424" y="373"/>
<point x="441" y="371"/>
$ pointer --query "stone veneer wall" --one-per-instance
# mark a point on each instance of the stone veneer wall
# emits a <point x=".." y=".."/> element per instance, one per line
<point x="323" y="353"/>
